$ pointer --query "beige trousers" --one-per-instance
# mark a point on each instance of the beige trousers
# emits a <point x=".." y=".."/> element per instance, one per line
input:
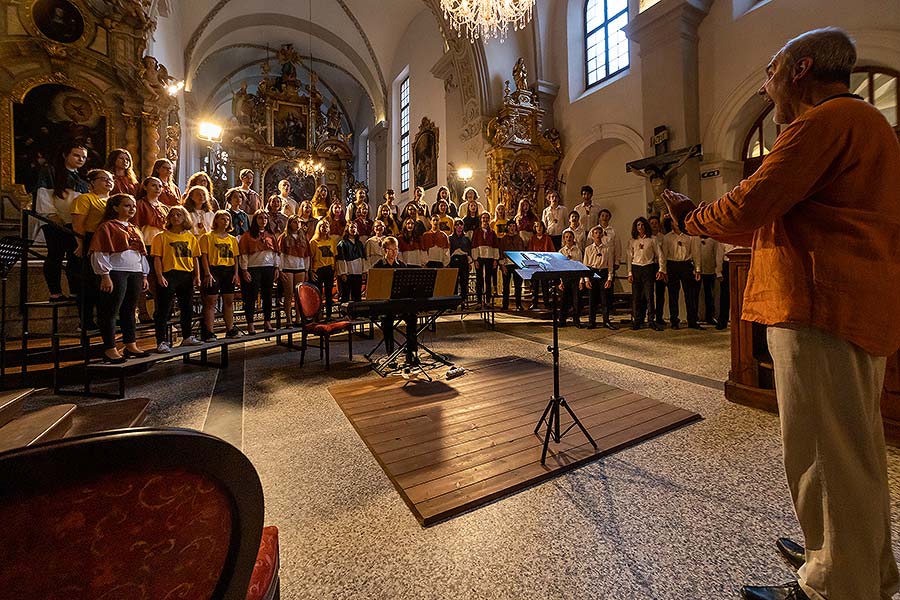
<point x="829" y="395"/>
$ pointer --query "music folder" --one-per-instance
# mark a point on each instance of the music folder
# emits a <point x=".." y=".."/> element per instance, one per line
<point x="547" y="265"/>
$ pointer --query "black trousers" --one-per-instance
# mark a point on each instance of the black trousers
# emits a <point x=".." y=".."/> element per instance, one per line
<point x="571" y="301"/>
<point x="351" y="288"/>
<point x="120" y="302"/>
<point x="60" y="247"/>
<point x="485" y="276"/>
<point x="642" y="292"/>
<point x="681" y="277"/>
<point x="180" y="288"/>
<point x="724" y="296"/>
<point x="601" y="296"/>
<point x="709" y="304"/>
<point x="261" y="281"/>
<point x="461" y="264"/>
<point x="660" y="300"/>
<point x="325" y="283"/>
<point x="512" y="274"/>
<point x="539" y="288"/>
<point x="84" y="283"/>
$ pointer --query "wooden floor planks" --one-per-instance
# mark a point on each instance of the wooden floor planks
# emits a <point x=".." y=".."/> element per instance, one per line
<point x="451" y="446"/>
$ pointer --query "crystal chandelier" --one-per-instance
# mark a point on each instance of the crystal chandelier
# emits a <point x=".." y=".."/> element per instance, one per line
<point x="310" y="166"/>
<point x="487" y="18"/>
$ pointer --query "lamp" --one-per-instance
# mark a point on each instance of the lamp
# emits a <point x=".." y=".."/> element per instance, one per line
<point x="175" y="87"/>
<point x="487" y="18"/>
<point x="310" y="166"/>
<point x="465" y="173"/>
<point x="210" y="132"/>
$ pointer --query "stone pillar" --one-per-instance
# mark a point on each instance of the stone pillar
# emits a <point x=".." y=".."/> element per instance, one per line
<point x="132" y="142"/>
<point x="378" y="137"/>
<point x="667" y="34"/>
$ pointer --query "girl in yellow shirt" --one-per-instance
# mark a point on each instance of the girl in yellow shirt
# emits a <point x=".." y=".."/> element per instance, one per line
<point x="218" y="256"/>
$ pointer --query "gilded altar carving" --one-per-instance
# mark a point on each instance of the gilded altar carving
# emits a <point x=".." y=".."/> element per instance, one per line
<point x="77" y="70"/>
<point x="280" y="123"/>
<point x="524" y="157"/>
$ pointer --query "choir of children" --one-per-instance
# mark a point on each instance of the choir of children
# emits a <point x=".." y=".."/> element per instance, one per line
<point x="172" y="246"/>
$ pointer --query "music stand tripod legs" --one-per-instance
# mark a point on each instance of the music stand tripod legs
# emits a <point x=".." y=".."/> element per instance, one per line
<point x="551" y="413"/>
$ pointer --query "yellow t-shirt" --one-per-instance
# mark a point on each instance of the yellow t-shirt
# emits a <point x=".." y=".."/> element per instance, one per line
<point x="323" y="252"/>
<point x="219" y="251"/>
<point x="499" y="226"/>
<point x="446" y="224"/>
<point x="92" y="207"/>
<point x="179" y="251"/>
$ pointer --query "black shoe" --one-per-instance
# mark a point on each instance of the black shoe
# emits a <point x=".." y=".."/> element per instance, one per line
<point x="129" y="354"/>
<point x="519" y="307"/>
<point x="635" y="326"/>
<point x="791" y="551"/>
<point x="114" y="361"/>
<point x="504" y="306"/>
<point x="675" y="325"/>
<point x="578" y="324"/>
<point x="661" y="323"/>
<point x="721" y="326"/>
<point x="695" y="326"/>
<point x="208" y="337"/>
<point x="654" y="326"/>
<point x="788" y="591"/>
<point x="232" y="333"/>
<point x="609" y="325"/>
<point x="592" y="325"/>
<point x="60" y="298"/>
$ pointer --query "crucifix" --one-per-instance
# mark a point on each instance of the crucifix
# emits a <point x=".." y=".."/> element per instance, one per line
<point x="658" y="169"/>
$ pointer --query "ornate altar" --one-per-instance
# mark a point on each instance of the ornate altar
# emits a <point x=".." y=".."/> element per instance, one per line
<point x="524" y="158"/>
<point x="75" y="70"/>
<point x="281" y="126"/>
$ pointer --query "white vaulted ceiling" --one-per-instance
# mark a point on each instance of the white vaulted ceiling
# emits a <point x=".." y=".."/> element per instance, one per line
<point x="353" y="42"/>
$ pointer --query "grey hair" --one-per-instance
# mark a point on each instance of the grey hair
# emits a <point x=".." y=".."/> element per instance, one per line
<point x="831" y="49"/>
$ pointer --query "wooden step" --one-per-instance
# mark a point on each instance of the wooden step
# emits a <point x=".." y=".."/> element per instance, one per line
<point x="42" y="425"/>
<point x="106" y="416"/>
<point x="11" y="403"/>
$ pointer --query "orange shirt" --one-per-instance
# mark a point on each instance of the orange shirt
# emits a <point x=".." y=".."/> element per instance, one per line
<point x="822" y="216"/>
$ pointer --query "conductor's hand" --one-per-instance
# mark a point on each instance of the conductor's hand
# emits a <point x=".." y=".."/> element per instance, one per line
<point x="678" y="204"/>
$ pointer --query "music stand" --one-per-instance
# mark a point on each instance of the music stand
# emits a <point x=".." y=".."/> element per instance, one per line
<point x="552" y="267"/>
<point x="12" y="248"/>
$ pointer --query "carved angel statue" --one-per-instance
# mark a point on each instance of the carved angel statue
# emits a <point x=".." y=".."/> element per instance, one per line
<point x="520" y="74"/>
<point x="151" y="76"/>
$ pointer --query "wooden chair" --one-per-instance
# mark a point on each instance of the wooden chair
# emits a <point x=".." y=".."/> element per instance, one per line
<point x="309" y="299"/>
<point x="137" y="513"/>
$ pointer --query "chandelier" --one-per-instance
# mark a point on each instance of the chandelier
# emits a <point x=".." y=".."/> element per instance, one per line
<point x="310" y="166"/>
<point x="487" y="18"/>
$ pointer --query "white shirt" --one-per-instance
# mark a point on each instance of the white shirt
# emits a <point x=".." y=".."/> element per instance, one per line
<point x="615" y="243"/>
<point x="555" y="219"/>
<point x="682" y="247"/>
<point x="598" y="257"/>
<point x="263" y="258"/>
<point x="708" y="261"/>
<point x="572" y="253"/>
<point x="590" y="215"/>
<point x="288" y="206"/>
<point x="642" y="252"/>
<point x="374" y="251"/>
<point x="580" y="236"/>
<point x="129" y="261"/>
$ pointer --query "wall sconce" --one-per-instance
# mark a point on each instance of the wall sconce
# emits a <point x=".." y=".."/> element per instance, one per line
<point x="465" y="173"/>
<point x="209" y="132"/>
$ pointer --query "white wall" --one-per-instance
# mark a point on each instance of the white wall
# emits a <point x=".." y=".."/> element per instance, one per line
<point x="422" y="48"/>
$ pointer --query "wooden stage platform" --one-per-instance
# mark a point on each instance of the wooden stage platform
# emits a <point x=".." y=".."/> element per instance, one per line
<point x="450" y="446"/>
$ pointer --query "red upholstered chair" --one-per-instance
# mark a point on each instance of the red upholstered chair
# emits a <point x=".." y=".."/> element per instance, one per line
<point x="137" y="513"/>
<point x="309" y="299"/>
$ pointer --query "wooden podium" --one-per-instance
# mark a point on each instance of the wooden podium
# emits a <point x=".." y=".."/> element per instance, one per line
<point x="750" y="380"/>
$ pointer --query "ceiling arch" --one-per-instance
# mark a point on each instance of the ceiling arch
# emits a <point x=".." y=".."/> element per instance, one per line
<point x="230" y="27"/>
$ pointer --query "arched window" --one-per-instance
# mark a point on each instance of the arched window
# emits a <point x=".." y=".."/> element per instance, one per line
<point x="879" y="86"/>
<point x="605" y="44"/>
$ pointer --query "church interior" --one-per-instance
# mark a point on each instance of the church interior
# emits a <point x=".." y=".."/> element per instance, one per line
<point x="414" y="472"/>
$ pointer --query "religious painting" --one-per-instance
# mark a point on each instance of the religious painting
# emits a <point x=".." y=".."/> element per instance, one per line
<point x="289" y="125"/>
<point x="425" y="155"/>
<point x="302" y="188"/>
<point x="59" y="20"/>
<point x="50" y="116"/>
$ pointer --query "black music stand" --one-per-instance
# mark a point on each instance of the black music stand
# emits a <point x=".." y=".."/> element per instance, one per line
<point x="419" y="284"/>
<point x="552" y="267"/>
<point x="12" y="248"/>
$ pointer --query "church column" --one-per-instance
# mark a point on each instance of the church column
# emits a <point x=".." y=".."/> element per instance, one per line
<point x="667" y="34"/>
<point x="151" y="140"/>
<point x="378" y="137"/>
<point x="131" y="144"/>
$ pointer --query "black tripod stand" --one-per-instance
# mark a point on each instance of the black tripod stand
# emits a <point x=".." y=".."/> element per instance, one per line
<point x="551" y="413"/>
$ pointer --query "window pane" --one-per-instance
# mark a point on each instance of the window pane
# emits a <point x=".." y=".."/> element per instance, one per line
<point x="859" y="84"/>
<point x="770" y="132"/>
<point x="886" y="96"/>
<point x="614" y="7"/>
<point x="593" y="15"/>
<point x="618" y="45"/>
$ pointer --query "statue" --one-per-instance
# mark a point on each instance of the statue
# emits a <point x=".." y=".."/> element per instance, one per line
<point x="287" y="56"/>
<point x="333" y="120"/>
<point x="659" y="175"/>
<point x="239" y="101"/>
<point x="154" y="76"/>
<point x="520" y="74"/>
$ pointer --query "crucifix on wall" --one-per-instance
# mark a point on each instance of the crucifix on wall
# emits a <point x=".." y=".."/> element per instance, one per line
<point x="658" y="169"/>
